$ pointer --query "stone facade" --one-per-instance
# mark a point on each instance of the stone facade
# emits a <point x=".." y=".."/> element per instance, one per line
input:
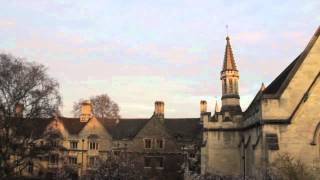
<point x="283" y="118"/>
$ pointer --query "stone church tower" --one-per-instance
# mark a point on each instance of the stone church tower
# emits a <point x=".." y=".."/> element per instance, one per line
<point x="221" y="154"/>
<point x="283" y="118"/>
<point x="229" y="79"/>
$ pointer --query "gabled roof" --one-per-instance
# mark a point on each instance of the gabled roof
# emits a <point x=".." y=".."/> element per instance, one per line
<point x="277" y="86"/>
<point x="184" y="128"/>
<point x="280" y="82"/>
<point x="127" y="128"/>
<point x="228" y="62"/>
<point x="33" y="127"/>
<point x="73" y="125"/>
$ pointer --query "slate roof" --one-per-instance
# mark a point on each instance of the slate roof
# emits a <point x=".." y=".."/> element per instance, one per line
<point x="73" y="125"/>
<point x="184" y="128"/>
<point x="276" y="83"/>
<point x="127" y="128"/>
<point x="31" y="127"/>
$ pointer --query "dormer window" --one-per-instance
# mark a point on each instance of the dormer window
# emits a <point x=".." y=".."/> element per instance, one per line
<point x="147" y="143"/>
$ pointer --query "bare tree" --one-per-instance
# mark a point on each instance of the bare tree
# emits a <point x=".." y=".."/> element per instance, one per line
<point x="286" y="167"/>
<point x="117" y="167"/>
<point x="103" y="107"/>
<point x="26" y="93"/>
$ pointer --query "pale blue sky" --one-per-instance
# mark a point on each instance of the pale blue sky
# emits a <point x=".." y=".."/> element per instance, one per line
<point x="141" y="51"/>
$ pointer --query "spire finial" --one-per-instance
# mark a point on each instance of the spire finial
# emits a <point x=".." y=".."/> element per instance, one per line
<point x="227" y="31"/>
<point x="262" y="87"/>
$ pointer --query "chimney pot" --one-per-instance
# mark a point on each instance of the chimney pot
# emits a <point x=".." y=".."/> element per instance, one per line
<point x="159" y="108"/>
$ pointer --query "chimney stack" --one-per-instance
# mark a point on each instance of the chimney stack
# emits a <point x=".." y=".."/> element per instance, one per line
<point x="85" y="111"/>
<point x="159" y="108"/>
<point x="19" y="110"/>
<point x="203" y="106"/>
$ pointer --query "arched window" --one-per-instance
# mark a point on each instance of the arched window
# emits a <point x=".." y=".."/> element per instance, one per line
<point x="230" y="86"/>
<point x="236" y="86"/>
<point x="225" y="86"/>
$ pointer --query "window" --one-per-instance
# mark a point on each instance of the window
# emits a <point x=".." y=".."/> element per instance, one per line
<point x="236" y="86"/>
<point x="116" y="153"/>
<point x="73" y="160"/>
<point x="147" y="162"/>
<point x="53" y="159"/>
<point x="92" y="161"/>
<point x="230" y="86"/>
<point x="159" y="162"/>
<point x="153" y="161"/>
<point x="272" y="141"/>
<point x="93" y="145"/>
<point x="73" y="145"/>
<point x="147" y="143"/>
<point x="55" y="143"/>
<point x="225" y="86"/>
<point x="160" y="143"/>
<point x="30" y="167"/>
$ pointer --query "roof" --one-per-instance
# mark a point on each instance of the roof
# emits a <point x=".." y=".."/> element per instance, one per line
<point x="185" y="128"/>
<point x="279" y="84"/>
<point x="278" y="81"/>
<point x="127" y="128"/>
<point x="228" y="62"/>
<point x="31" y="127"/>
<point x="73" y="125"/>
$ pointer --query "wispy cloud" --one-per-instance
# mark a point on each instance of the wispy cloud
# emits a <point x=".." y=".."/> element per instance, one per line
<point x="141" y="51"/>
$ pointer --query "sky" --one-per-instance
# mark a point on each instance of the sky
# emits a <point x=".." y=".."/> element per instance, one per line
<point x="140" y="51"/>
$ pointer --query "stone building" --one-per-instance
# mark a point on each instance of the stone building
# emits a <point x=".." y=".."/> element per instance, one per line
<point x="158" y="147"/>
<point x="283" y="117"/>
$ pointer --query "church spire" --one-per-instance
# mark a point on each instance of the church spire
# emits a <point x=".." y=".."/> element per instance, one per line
<point x="229" y="79"/>
<point x="228" y="62"/>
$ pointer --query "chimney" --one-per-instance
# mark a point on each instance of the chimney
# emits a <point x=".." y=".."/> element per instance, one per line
<point x="19" y="110"/>
<point x="203" y="106"/>
<point x="159" y="108"/>
<point x="85" y="111"/>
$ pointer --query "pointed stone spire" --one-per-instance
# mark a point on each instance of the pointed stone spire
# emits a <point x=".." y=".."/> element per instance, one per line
<point x="229" y="63"/>
<point x="216" y="108"/>
<point x="262" y="87"/>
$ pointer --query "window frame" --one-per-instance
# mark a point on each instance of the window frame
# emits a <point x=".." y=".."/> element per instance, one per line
<point x="55" y="160"/>
<point x="144" y="143"/>
<point x="71" y="144"/>
<point x="162" y="144"/>
<point x="93" y="145"/>
<point x="159" y="160"/>
<point x="73" y="160"/>
<point x="92" y="161"/>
